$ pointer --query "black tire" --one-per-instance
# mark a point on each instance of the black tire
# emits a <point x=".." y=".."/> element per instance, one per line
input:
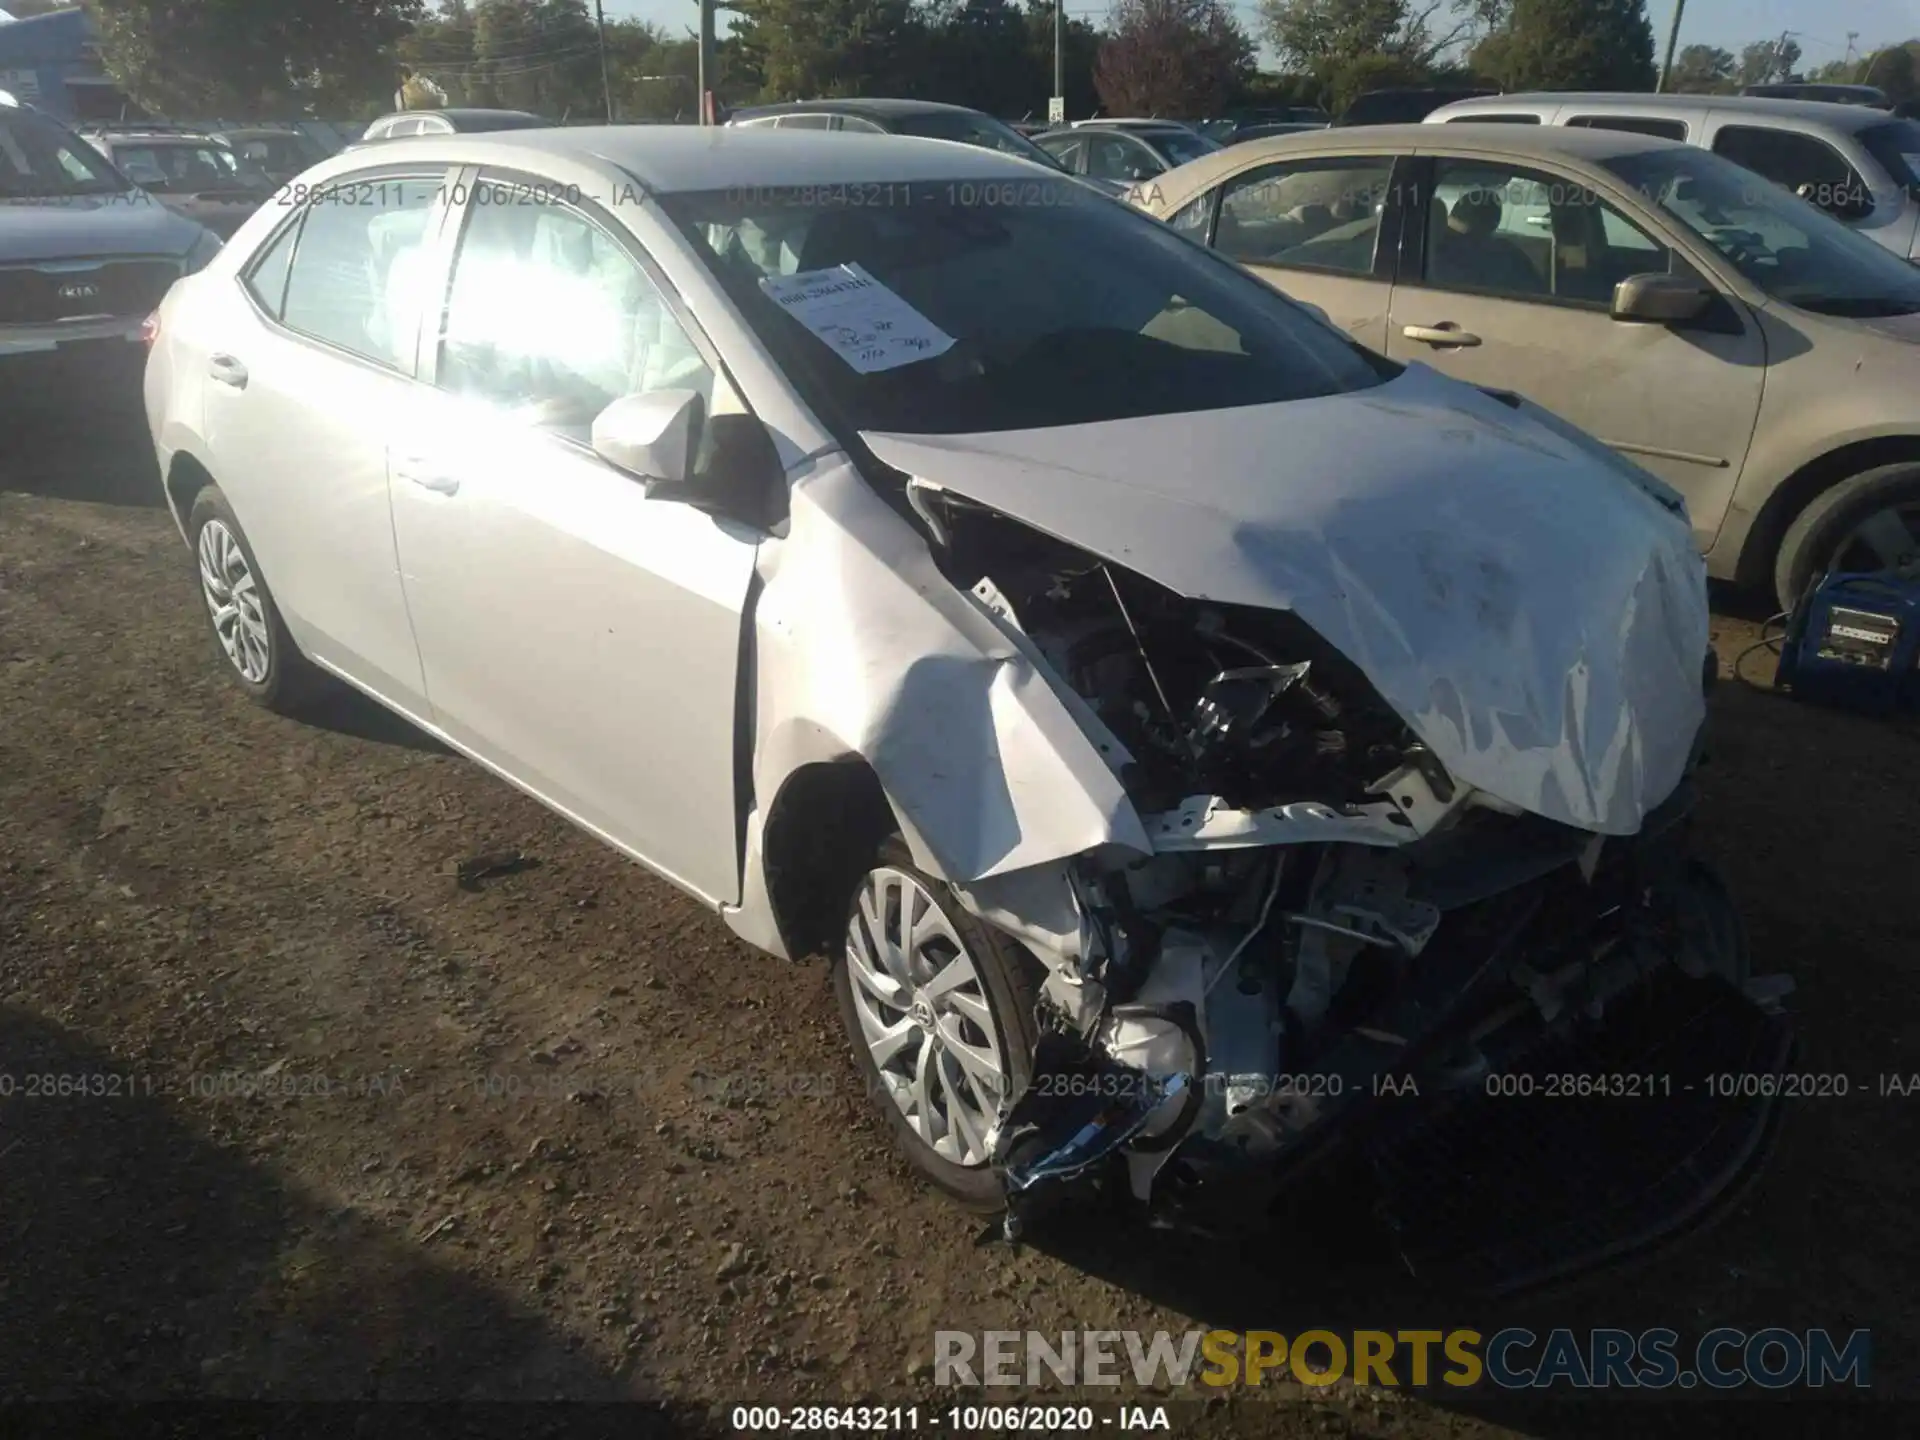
<point x="1011" y="980"/>
<point x="1814" y="540"/>
<point x="291" y="682"/>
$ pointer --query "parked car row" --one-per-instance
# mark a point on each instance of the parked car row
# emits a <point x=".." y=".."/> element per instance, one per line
<point x="1042" y="618"/>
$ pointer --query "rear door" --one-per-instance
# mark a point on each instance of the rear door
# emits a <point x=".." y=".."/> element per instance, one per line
<point x="311" y="377"/>
<point x="1312" y="229"/>
<point x="1509" y="283"/>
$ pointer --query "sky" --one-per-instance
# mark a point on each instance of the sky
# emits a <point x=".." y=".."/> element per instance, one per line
<point x="1730" y="24"/>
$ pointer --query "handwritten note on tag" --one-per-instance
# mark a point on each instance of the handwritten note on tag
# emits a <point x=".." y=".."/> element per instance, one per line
<point x="861" y="320"/>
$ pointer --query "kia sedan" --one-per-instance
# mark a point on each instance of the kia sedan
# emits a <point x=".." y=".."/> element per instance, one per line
<point x="1750" y="350"/>
<point x="1152" y="704"/>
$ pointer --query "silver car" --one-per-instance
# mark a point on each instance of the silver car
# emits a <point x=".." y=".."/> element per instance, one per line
<point x="1119" y="675"/>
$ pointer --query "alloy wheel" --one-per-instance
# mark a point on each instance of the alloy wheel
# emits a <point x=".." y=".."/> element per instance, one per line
<point x="233" y="601"/>
<point x="924" y="1016"/>
<point x="1887" y="539"/>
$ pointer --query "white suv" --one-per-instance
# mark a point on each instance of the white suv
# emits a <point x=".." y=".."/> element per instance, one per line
<point x="1859" y="164"/>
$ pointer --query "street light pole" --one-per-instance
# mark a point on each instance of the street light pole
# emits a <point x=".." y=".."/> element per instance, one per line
<point x="606" y="81"/>
<point x="1673" y="39"/>
<point x="708" y="115"/>
<point x="1059" y="62"/>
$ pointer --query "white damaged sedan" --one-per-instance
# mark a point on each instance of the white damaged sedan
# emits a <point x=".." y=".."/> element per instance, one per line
<point x="1199" y="744"/>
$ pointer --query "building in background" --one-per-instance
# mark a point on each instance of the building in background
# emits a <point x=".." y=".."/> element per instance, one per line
<point x="51" y="61"/>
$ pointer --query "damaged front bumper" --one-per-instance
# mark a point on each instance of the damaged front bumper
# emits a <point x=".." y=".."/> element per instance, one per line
<point x="1512" y="1028"/>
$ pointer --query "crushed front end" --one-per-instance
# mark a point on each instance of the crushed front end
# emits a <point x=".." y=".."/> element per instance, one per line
<point x="1336" y="948"/>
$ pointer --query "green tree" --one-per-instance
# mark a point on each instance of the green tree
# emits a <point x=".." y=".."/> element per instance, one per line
<point x="1892" y="70"/>
<point x="1179" y="58"/>
<point x="1320" y="35"/>
<point x="1570" y="45"/>
<point x="1703" y="70"/>
<point x="253" y="57"/>
<point x="812" y="49"/>
<point x="1767" y="62"/>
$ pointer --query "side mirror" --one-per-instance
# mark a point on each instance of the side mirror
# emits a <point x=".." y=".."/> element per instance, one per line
<point x="652" y="436"/>
<point x="1660" y="299"/>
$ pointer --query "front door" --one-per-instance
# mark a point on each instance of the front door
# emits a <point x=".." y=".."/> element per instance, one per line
<point x="576" y="635"/>
<point x="314" y="376"/>
<point x="1512" y="287"/>
<point x="1311" y="229"/>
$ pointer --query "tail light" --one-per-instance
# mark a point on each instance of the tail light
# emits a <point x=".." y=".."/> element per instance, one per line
<point x="150" y="329"/>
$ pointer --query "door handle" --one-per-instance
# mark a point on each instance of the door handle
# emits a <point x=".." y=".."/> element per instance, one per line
<point x="1444" y="336"/>
<point x="227" y="370"/>
<point x="417" y="471"/>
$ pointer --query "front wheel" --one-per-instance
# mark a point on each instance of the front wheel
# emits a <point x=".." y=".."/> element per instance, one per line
<point x="1869" y="521"/>
<point x="940" y="1010"/>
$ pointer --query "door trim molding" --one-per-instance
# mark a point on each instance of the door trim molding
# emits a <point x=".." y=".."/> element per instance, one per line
<point x="1712" y="462"/>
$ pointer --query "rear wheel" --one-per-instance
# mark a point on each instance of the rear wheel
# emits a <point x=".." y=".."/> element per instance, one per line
<point x="1869" y="521"/>
<point x="252" y="638"/>
<point x="940" y="1010"/>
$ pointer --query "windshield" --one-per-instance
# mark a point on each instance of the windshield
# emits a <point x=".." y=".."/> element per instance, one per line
<point x="969" y="129"/>
<point x="1896" y="145"/>
<point x="39" y="160"/>
<point x="1031" y="312"/>
<point x="172" y="166"/>
<point x="1179" y="146"/>
<point x="1794" y="252"/>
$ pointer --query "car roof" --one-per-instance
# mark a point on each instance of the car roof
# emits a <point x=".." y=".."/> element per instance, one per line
<point x="1817" y="112"/>
<point x="457" y="113"/>
<point x="1543" y="142"/>
<point x="879" y="108"/>
<point x="670" y="159"/>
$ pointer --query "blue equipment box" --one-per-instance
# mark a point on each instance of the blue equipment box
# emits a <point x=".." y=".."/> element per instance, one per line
<point x="1854" y="641"/>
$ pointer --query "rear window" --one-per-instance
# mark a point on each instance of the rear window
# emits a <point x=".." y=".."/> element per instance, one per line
<point x="1896" y="145"/>
<point x="1070" y="311"/>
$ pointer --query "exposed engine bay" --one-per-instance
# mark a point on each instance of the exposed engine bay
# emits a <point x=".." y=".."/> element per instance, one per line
<point x="1330" y="925"/>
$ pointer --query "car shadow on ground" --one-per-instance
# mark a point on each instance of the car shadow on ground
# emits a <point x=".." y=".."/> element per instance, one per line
<point x="346" y="711"/>
<point x="144" y="1262"/>
<point x="58" y="449"/>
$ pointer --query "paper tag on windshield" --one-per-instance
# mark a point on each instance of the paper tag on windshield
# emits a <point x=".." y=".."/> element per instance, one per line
<point x="861" y="320"/>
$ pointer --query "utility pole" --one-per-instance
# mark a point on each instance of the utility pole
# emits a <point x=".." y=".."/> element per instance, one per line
<point x="1780" y="55"/>
<point x="606" y="81"/>
<point x="708" y="110"/>
<point x="1057" y="112"/>
<point x="1673" y="39"/>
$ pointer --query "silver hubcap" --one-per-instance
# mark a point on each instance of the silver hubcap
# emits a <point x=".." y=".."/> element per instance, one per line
<point x="1886" y="540"/>
<point x="924" y="1017"/>
<point x="233" y="599"/>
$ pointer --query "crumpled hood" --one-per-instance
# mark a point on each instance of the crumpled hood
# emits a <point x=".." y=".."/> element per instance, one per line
<point x="1531" y="604"/>
<point x="92" y="226"/>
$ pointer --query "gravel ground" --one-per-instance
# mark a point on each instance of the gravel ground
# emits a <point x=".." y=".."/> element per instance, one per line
<point x="555" y="1133"/>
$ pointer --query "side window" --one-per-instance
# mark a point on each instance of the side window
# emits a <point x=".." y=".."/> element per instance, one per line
<point x="1310" y="215"/>
<point x="759" y="122"/>
<point x="549" y="318"/>
<point x="805" y="122"/>
<point x="1494" y="120"/>
<point x="865" y="127"/>
<point x="266" y="278"/>
<point x="356" y="277"/>
<point x="1191" y="218"/>
<point x="1809" y="167"/>
<point x="1067" y="152"/>
<point x="1633" y="125"/>
<point x="1115" y="157"/>
<point x="1528" y="236"/>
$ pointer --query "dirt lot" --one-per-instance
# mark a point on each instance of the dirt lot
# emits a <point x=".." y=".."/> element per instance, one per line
<point x="517" y="1149"/>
